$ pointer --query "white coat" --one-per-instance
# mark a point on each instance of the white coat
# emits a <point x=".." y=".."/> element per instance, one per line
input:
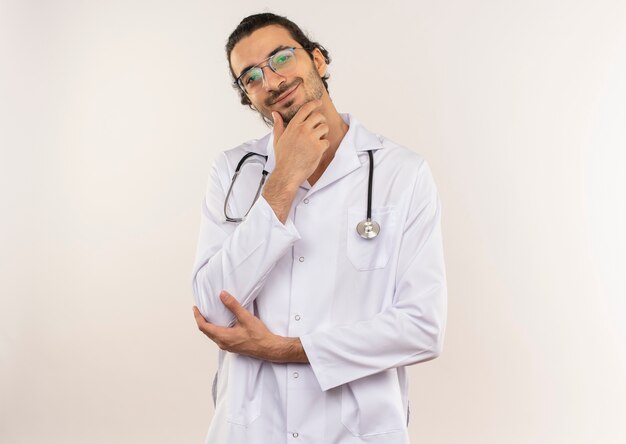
<point x="363" y="309"/>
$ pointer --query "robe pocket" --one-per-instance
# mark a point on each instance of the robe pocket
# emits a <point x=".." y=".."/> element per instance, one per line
<point x="370" y="254"/>
<point x="244" y="390"/>
<point x="373" y="405"/>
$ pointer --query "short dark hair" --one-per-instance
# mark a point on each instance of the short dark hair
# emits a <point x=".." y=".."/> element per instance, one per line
<point x="253" y="22"/>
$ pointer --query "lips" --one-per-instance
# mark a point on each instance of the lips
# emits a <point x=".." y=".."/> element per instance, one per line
<point x="287" y="94"/>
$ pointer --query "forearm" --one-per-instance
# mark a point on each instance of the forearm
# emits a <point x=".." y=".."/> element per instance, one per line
<point x="279" y="192"/>
<point x="287" y="350"/>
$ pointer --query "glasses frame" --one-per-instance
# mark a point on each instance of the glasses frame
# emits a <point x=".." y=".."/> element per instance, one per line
<point x="263" y="64"/>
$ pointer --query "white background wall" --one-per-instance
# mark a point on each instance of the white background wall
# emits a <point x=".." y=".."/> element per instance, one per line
<point x="111" y="112"/>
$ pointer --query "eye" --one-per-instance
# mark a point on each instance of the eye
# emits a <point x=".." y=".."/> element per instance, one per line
<point x="282" y="58"/>
<point x="252" y="77"/>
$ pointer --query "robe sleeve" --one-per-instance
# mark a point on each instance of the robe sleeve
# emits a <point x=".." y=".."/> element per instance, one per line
<point x="411" y="329"/>
<point x="237" y="259"/>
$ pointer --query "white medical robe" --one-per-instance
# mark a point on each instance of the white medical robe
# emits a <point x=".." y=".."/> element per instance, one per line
<point x="363" y="309"/>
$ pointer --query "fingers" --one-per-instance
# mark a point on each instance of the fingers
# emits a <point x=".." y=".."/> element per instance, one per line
<point x="315" y="118"/>
<point x="279" y="125"/>
<point x="321" y="131"/>
<point x="212" y="331"/>
<point x="233" y="305"/>
<point x="199" y="318"/>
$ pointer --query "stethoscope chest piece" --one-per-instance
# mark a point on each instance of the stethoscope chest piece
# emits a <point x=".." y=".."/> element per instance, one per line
<point x="368" y="229"/>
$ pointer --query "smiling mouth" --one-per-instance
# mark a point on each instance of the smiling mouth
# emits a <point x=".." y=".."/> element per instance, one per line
<point x="286" y="95"/>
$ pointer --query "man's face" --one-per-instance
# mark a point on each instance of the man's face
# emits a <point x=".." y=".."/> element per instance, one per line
<point x="302" y="84"/>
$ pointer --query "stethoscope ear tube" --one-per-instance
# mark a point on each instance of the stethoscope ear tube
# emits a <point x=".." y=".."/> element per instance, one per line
<point x="232" y="183"/>
<point x="369" y="229"/>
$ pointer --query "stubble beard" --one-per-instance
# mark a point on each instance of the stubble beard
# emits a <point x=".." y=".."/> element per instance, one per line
<point x="316" y="92"/>
<point x="314" y="81"/>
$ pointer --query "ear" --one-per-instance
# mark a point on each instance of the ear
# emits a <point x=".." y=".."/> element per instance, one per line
<point x="320" y="62"/>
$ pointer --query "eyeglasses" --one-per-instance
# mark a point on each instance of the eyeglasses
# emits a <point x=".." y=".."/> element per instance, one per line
<point x="282" y="62"/>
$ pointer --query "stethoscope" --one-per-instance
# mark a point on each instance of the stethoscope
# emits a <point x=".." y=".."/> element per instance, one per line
<point x="367" y="229"/>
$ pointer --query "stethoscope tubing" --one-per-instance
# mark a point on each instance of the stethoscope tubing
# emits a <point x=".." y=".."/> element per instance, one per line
<point x="369" y="185"/>
<point x="367" y="229"/>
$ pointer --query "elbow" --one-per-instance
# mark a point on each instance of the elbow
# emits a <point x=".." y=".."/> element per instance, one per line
<point x="209" y="304"/>
<point x="437" y="349"/>
<point x="436" y="341"/>
<point x="432" y="351"/>
<point x="427" y="342"/>
<point x="428" y="354"/>
<point x="437" y="334"/>
<point x="432" y="324"/>
<point x="198" y="298"/>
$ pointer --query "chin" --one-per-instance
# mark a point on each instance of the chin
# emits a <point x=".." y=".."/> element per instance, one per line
<point x="292" y="109"/>
<point x="290" y="113"/>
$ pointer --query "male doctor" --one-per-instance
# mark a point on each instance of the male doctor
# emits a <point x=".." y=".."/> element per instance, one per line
<point x="316" y="312"/>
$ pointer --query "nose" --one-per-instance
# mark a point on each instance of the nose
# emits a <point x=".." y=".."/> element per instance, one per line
<point x="271" y="80"/>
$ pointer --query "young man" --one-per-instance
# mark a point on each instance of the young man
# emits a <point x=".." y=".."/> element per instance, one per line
<point x="322" y="284"/>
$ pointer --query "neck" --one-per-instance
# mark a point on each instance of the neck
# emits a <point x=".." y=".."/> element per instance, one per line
<point x="337" y="129"/>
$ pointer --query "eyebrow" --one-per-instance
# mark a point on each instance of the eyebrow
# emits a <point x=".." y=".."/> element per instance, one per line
<point x="278" y="48"/>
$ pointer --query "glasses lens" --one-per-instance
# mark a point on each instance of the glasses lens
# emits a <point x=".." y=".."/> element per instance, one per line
<point x="252" y="79"/>
<point x="283" y="60"/>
